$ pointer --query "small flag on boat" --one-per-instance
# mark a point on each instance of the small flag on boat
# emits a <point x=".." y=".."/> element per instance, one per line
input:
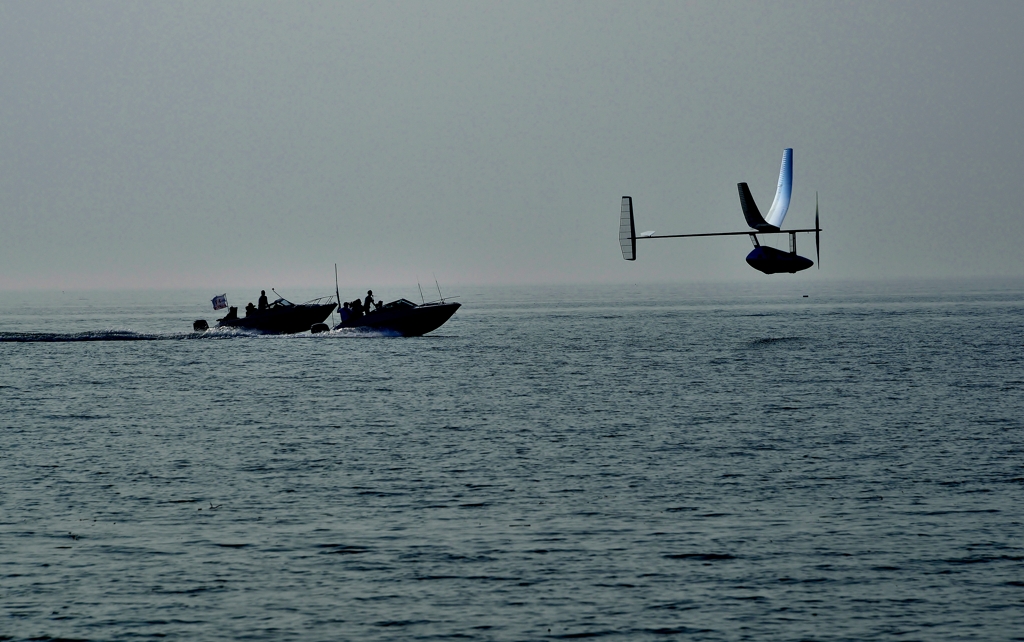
<point x="220" y="301"/>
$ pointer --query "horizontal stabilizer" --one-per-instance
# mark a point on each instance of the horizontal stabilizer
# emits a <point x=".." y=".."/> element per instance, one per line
<point x="627" y="232"/>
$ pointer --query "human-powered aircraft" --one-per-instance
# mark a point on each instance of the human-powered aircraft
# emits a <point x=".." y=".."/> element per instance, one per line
<point x="765" y="259"/>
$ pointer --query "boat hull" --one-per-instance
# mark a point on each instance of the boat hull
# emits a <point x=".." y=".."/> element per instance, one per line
<point x="408" y="322"/>
<point x="290" y="320"/>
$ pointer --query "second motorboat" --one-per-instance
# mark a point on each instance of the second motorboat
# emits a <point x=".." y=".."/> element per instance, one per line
<point x="401" y="317"/>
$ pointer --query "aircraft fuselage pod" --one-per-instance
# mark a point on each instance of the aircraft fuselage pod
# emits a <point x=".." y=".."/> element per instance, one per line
<point x="772" y="261"/>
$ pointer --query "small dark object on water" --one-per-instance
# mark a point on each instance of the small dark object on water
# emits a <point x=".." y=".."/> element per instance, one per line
<point x="200" y="325"/>
<point x="317" y="328"/>
<point x="805" y="296"/>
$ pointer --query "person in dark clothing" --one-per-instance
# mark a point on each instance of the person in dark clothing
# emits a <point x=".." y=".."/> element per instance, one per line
<point x="263" y="299"/>
<point x="249" y="308"/>
<point x="368" y="303"/>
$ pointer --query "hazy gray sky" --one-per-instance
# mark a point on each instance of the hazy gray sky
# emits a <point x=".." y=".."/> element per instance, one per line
<point x="215" y="144"/>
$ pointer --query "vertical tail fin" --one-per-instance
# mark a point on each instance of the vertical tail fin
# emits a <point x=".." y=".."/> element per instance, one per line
<point x="627" y="231"/>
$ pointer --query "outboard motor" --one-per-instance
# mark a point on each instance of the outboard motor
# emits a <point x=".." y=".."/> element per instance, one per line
<point x="200" y="325"/>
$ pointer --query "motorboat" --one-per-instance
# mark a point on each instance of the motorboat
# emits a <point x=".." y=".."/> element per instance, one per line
<point x="402" y="317"/>
<point x="280" y="317"/>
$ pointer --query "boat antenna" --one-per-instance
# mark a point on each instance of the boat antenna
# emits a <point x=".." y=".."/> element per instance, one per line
<point x="336" y="293"/>
<point x="422" y="300"/>
<point x="438" y="289"/>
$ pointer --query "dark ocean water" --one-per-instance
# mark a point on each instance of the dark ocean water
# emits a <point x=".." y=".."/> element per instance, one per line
<point x="650" y="463"/>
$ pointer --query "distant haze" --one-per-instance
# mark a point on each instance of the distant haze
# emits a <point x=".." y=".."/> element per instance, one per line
<point x="168" y="144"/>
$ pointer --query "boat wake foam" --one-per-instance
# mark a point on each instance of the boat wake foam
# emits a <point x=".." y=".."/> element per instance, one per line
<point x="358" y="333"/>
<point x="101" y="335"/>
<point x="211" y="334"/>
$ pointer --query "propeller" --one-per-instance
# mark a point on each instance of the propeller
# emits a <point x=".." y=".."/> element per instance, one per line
<point x="817" y="232"/>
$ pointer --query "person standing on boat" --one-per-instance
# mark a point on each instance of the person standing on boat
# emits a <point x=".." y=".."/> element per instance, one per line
<point x="263" y="300"/>
<point x="368" y="303"/>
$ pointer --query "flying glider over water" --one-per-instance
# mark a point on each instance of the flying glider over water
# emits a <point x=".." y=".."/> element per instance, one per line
<point x="765" y="259"/>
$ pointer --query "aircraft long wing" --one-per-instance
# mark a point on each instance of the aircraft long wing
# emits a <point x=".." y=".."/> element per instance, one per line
<point x="750" y="211"/>
<point x="780" y="205"/>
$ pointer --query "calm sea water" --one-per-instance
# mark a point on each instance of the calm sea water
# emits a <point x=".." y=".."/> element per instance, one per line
<point x="649" y="463"/>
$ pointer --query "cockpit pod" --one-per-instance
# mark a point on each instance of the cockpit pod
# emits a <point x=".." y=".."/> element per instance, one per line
<point x="772" y="261"/>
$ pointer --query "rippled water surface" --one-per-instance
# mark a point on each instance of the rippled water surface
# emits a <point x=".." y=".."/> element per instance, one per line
<point x="650" y="463"/>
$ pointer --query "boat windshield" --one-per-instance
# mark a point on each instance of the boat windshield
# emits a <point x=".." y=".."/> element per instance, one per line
<point x="282" y="303"/>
